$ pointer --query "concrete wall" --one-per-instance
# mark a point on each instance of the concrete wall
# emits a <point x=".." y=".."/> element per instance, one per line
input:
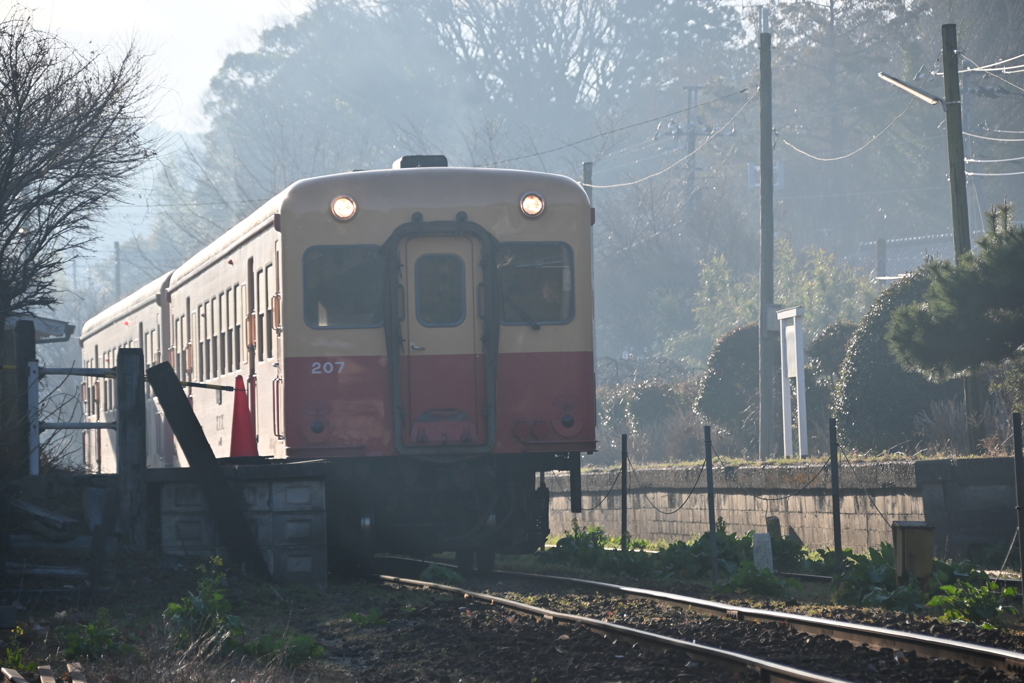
<point x="970" y="501"/>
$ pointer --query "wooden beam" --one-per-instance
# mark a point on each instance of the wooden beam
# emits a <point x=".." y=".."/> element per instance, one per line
<point x="12" y="676"/>
<point x="131" y="444"/>
<point x="224" y="505"/>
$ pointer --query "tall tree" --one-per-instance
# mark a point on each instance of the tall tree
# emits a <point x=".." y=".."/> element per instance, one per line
<point x="70" y="139"/>
<point x="971" y="313"/>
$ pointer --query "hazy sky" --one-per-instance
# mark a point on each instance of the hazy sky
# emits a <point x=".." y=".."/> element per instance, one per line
<point x="188" y="39"/>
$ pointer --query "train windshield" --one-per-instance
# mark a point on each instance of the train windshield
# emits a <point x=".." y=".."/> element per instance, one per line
<point x="536" y="283"/>
<point x="343" y="286"/>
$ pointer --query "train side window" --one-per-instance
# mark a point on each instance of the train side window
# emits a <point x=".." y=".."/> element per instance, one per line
<point x="536" y="283"/>
<point x="343" y="286"/>
<point x="440" y="290"/>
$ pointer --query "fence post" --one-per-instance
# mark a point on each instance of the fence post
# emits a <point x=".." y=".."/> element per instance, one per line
<point x="33" y="417"/>
<point x="837" y="527"/>
<point x="131" y="444"/>
<point x="625" y="494"/>
<point x="1018" y="469"/>
<point x="711" y="503"/>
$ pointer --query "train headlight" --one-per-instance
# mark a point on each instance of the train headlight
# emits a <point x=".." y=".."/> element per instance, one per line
<point x="343" y="208"/>
<point x="532" y="204"/>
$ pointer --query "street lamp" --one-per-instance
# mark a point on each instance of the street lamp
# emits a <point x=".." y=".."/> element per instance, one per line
<point x="957" y="185"/>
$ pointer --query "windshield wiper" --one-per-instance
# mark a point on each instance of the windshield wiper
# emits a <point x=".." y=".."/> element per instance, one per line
<point x="522" y="314"/>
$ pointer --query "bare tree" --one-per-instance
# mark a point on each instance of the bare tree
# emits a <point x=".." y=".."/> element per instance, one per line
<point x="70" y="138"/>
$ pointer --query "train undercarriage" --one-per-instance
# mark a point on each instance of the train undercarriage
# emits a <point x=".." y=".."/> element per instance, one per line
<point x="475" y="506"/>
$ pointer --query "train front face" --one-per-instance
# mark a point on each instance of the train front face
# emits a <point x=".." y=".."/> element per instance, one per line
<point x="439" y="346"/>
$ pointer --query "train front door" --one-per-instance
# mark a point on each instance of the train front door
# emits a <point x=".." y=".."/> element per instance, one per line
<point x="443" y="380"/>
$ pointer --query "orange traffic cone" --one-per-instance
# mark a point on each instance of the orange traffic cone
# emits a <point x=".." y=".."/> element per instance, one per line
<point x="243" y="435"/>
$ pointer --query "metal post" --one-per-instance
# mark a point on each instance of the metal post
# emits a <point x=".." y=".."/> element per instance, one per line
<point x="625" y="494"/>
<point x="955" y="141"/>
<point x="765" y="446"/>
<point x="837" y="501"/>
<point x="588" y="180"/>
<point x="33" y="417"/>
<point x="881" y="267"/>
<point x="117" y="271"/>
<point x="131" y="444"/>
<point x="1018" y="469"/>
<point x="711" y="503"/>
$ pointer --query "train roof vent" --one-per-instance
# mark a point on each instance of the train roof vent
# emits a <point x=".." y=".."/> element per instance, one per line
<point x="420" y="161"/>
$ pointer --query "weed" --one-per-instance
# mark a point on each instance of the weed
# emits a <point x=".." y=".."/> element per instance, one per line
<point x="981" y="604"/>
<point x="14" y="656"/>
<point x="435" y="573"/>
<point x="749" y="579"/>
<point x="93" y="640"/>
<point x="581" y="546"/>
<point x="288" y="650"/>
<point x="362" y="621"/>
<point x="206" y="611"/>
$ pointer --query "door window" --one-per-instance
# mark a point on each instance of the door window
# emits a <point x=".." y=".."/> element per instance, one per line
<point x="440" y="290"/>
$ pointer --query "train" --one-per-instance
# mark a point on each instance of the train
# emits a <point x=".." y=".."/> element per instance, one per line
<point x="428" y="329"/>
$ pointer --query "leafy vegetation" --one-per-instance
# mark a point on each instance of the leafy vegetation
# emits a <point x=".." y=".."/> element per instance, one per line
<point x="16" y="655"/>
<point x="368" y="620"/>
<point x="205" y="612"/>
<point x="99" y="638"/>
<point x="981" y="604"/>
<point x="877" y="400"/>
<point x="438" y="574"/>
<point x="287" y="650"/>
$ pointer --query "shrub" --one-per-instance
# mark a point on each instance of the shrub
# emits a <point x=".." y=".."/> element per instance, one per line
<point x="435" y="573"/>
<point x="980" y="604"/>
<point x="750" y="579"/>
<point x="728" y="390"/>
<point x="97" y="639"/>
<point x="876" y="400"/>
<point x="657" y="413"/>
<point x="824" y="357"/>
<point x="204" y="613"/>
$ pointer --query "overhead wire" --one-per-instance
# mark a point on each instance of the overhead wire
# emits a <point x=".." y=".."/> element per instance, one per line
<point x="992" y="161"/>
<point x="993" y="74"/>
<point x="860" y="149"/>
<point x="614" y="130"/>
<point x="652" y="503"/>
<point x="983" y="137"/>
<point x="708" y="139"/>
<point x="993" y="175"/>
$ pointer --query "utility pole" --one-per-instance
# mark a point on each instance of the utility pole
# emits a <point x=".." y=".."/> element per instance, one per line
<point x="958" y="189"/>
<point x="765" y="357"/>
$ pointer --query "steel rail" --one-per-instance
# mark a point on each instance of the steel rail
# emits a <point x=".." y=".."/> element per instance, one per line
<point x="872" y="636"/>
<point x="767" y="670"/>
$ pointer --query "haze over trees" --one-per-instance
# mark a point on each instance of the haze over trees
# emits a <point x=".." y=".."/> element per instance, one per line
<point x="662" y="97"/>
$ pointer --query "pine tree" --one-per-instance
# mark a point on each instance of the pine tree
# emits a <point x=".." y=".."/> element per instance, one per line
<point x="973" y="312"/>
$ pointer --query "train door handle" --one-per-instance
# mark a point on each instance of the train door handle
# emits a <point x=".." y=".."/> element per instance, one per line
<point x="416" y="347"/>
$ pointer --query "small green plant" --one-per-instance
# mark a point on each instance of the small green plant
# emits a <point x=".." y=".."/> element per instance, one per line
<point x="580" y="546"/>
<point x="373" y="618"/>
<point x="15" y="656"/>
<point x="205" y="612"/>
<point x="749" y="579"/>
<point x="435" y="573"/>
<point x="980" y="604"/>
<point x="288" y="650"/>
<point x="99" y="638"/>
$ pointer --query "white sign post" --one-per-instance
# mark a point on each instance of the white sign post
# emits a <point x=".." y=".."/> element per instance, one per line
<point x="791" y="336"/>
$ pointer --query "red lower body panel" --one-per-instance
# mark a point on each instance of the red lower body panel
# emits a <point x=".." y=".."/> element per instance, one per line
<point x="342" y="405"/>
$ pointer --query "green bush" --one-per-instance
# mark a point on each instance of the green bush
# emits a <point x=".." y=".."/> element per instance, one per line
<point x="435" y="573"/>
<point x="824" y="358"/>
<point x="877" y="400"/>
<point x="206" y="612"/>
<point x="580" y="546"/>
<point x="763" y="582"/>
<point x="728" y="390"/>
<point x="99" y="638"/>
<point x="981" y="604"/>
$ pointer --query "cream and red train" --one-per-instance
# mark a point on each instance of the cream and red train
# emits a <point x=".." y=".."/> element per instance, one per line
<point x="428" y="329"/>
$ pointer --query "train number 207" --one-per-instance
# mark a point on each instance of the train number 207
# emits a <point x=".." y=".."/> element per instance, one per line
<point x="327" y="367"/>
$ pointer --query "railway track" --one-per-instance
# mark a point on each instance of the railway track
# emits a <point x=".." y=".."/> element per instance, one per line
<point x="874" y="637"/>
<point x="767" y="671"/>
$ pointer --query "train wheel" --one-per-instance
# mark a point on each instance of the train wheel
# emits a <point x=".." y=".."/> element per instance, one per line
<point x="464" y="561"/>
<point x="485" y="561"/>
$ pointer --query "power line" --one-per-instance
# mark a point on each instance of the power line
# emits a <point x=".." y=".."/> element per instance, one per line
<point x="994" y="175"/>
<point x="992" y="161"/>
<point x="684" y="158"/>
<point x="864" y="146"/>
<point x="990" y="66"/>
<point x="982" y="137"/>
<point x="614" y="130"/>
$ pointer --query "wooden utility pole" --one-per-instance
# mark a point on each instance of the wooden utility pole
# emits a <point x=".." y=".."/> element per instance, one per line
<point x="958" y="190"/>
<point x="765" y="387"/>
<point x="131" y="444"/>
